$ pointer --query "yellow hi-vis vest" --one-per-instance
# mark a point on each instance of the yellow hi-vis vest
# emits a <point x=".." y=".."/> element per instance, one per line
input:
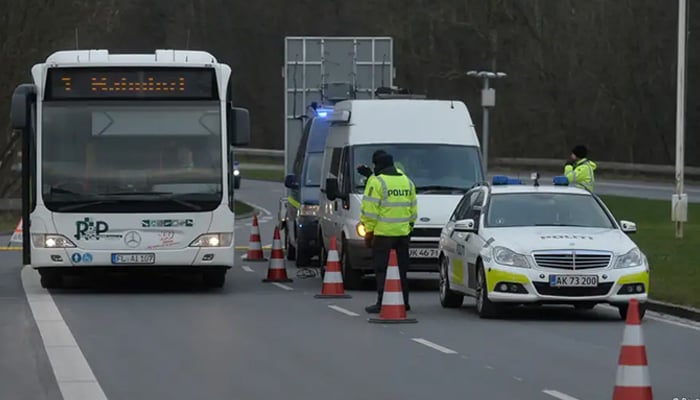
<point x="389" y="205"/>
<point x="583" y="174"/>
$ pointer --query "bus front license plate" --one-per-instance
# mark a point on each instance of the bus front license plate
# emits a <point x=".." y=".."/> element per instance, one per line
<point x="573" y="280"/>
<point x="133" y="258"/>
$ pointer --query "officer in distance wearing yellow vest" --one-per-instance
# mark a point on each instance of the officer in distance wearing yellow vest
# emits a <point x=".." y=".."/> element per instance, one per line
<point x="389" y="211"/>
<point x="579" y="169"/>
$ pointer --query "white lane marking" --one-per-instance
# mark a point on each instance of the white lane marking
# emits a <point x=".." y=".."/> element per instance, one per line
<point x="279" y="285"/>
<point x="558" y="395"/>
<point x="665" y="318"/>
<point x="434" y="346"/>
<point x="74" y="376"/>
<point x="518" y="378"/>
<point x="688" y="325"/>
<point x="344" y="311"/>
<point x="246" y="268"/>
<point x="489" y="367"/>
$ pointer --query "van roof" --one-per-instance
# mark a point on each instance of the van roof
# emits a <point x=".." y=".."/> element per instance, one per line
<point x="317" y="135"/>
<point x="409" y="120"/>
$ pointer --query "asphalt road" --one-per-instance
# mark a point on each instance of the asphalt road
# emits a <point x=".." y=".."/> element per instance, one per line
<point x="169" y="339"/>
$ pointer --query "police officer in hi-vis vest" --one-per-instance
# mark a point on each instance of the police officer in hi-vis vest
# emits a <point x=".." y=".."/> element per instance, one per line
<point x="389" y="211"/>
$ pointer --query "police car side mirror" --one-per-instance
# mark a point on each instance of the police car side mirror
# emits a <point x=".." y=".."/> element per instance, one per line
<point x="465" y="225"/>
<point x="628" y="226"/>
<point x="331" y="189"/>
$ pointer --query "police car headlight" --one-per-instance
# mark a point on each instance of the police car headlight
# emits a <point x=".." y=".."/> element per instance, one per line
<point x="631" y="259"/>
<point x="506" y="256"/>
<point x="309" y="210"/>
<point x="361" y="230"/>
<point x="51" y="241"/>
<point x="213" y="240"/>
<point x="236" y="172"/>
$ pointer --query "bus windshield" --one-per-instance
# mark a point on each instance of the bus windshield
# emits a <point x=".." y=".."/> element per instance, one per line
<point x="136" y="156"/>
<point x="433" y="167"/>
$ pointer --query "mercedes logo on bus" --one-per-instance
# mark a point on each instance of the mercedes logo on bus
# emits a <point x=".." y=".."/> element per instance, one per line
<point x="132" y="239"/>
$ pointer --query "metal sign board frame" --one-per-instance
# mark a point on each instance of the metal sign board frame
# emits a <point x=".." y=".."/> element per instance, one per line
<point x="311" y="62"/>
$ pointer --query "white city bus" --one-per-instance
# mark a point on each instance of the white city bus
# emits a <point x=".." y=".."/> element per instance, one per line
<point x="127" y="163"/>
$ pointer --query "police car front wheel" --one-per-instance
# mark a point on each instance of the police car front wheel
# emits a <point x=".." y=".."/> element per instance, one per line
<point x="484" y="307"/>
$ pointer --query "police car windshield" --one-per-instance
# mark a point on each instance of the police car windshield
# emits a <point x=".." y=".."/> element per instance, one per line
<point x="546" y="209"/>
<point x="429" y="165"/>
<point x="312" y="175"/>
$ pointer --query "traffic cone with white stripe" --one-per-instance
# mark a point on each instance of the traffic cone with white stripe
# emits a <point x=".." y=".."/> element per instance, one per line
<point x="333" y="280"/>
<point x="276" y="272"/>
<point x="393" y="309"/>
<point x="255" y="251"/>
<point x="16" y="235"/>
<point x="632" y="381"/>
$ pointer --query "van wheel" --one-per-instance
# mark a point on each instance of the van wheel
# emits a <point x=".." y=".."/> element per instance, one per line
<point x="322" y="259"/>
<point x="352" y="279"/>
<point x="484" y="307"/>
<point x="448" y="297"/>
<point x="51" y="279"/>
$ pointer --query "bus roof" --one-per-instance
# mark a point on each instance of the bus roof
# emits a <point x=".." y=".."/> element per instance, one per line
<point x="159" y="57"/>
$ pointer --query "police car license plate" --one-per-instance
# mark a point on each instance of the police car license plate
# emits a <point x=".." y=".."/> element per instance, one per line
<point x="423" y="253"/>
<point x="133" y="258"/>
<point x="573" y="280"/>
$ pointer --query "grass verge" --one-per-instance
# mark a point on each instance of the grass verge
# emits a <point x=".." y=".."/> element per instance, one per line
<point x="241" y="208"/>
<point x="9" y="220"/>
<point x="275" y="175"/>
<point x="675" y="273"/>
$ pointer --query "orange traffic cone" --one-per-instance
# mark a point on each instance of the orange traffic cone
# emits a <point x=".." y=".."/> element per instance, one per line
<point x="333" y="280"/>
<point x="632" y="382"/>
<point x="393" y="309"/>
<point x="277" y="272"/>
<point x="255" y="251"/>
<point x="16" y="235"/>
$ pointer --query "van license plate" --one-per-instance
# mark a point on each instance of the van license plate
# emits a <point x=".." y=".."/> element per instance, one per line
<point x="423" y="253"/>
<point x="133" y="258"/>
<point x="573" y="280"/>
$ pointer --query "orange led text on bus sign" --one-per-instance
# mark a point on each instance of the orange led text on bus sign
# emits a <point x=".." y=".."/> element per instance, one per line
<point x="123" y="85"/>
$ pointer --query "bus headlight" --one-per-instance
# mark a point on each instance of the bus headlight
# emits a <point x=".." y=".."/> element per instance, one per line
<point x="51" y="241"/>
<point x="213" y="240"/>
<point x="236" y="172"/>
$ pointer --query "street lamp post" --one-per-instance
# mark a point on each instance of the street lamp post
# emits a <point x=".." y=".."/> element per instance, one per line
<point x="488" y="100"/>
<point x="679" y="201"/>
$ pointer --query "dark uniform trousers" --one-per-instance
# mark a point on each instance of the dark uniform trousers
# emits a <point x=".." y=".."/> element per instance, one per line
<point x="381" y="248"/>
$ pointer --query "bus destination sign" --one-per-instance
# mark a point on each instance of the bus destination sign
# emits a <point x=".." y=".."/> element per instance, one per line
<point x="131" y="83"/>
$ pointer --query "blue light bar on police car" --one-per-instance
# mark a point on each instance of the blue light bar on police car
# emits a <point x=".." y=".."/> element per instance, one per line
<point x="323" y="112"/>
<point x="561" y="181"/>
<point x="514" y="181"/>
<point x="500" y="180"/>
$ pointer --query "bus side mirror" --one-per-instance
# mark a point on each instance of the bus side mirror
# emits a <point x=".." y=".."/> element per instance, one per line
<point x="22" y="99"/>
<point x="331" y="189"/>
<point x="290" y="182"/>
<point x="238" y="126"/>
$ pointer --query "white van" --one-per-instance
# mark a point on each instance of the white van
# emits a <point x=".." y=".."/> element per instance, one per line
<point x="432" y="141"/>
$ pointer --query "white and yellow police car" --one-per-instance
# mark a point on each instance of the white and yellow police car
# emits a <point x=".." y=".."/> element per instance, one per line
<point x="507" y="243"/>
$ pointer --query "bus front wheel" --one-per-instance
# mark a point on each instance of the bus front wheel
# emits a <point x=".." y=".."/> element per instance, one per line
<point x="215" y="279"/>
<point x="51" y="279"/>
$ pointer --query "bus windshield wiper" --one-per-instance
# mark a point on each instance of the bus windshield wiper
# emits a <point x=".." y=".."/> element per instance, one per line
<point x="439" y="188"/>
<point x="163" y="195"/>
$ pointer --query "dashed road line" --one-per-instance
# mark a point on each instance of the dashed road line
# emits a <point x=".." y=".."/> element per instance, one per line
<point x="282" y="286"/>
<point x="344" y="311"/>
<point x="489" y="367"/>
<point x="74" y="376"/>
<point x="558" y="395"/>
<point x="518" y="378"/>
<point x="434" y="346"/>
<point x="246" y="268"/>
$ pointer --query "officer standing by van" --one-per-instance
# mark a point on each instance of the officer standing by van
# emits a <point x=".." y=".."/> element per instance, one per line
<point x="579" y="169"/>
<point x="389" y="211"/>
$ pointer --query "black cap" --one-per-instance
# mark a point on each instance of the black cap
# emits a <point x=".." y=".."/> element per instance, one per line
<point x="580" y="151"/>
<point x="384" y="160"/>
<point x="377" y="154"/>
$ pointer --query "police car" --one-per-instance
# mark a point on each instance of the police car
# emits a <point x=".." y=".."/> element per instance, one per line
<point x="507" y="243"/>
